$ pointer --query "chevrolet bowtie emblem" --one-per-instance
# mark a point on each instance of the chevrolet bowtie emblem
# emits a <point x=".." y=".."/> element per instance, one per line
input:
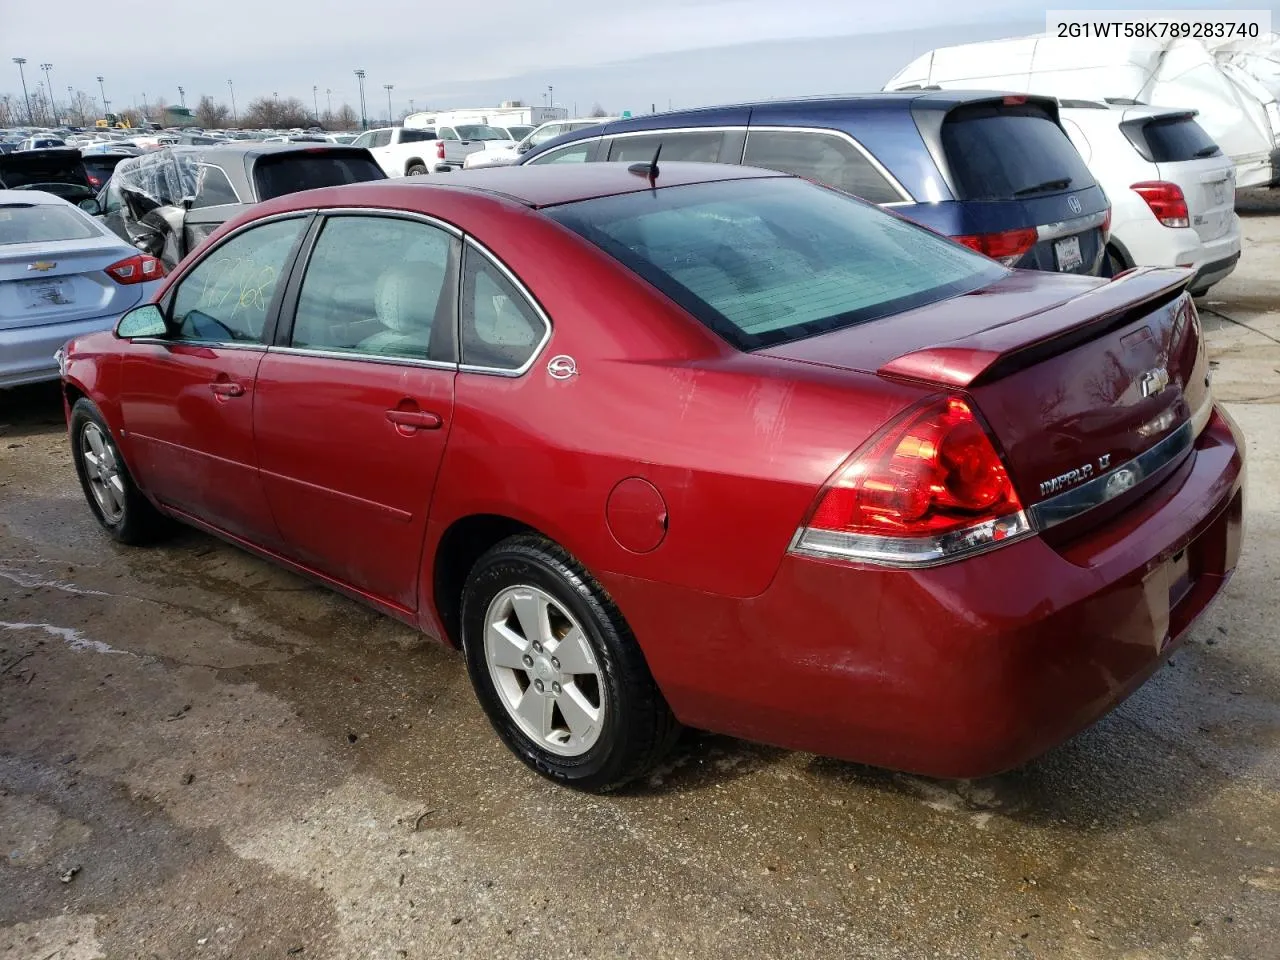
<point x="41" y="265"/>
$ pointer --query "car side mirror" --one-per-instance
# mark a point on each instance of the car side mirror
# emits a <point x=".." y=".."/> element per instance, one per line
<point x="143" y="321"/>
<point x="91" y="206"/>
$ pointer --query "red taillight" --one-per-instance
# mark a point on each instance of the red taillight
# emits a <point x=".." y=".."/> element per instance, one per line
<point x="136" y="269"/>
<point x="1014" y="101"/>
<point x="1106" y="227"/>
<point x="439" y="149"/>
<point x="1008" y="247"/>
<point x="1165" y="200"/>
<point x="93" y="181"/>
<point x="931" y="487"/>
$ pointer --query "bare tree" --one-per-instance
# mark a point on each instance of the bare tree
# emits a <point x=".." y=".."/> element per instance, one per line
<point x="346" y="118"/>
<point x="212" y="115"/>
<point x="275" y="114"/>
<point x="134" y="117"/>
<point x="597" y="111"/>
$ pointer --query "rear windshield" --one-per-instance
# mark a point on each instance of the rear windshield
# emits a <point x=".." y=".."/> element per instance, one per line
<point x="41" y="223"/>
<point x="476" y="131"/>
<point x="767" y="261"/>
<point x="293" y="172"/>
<point x="1006" y="152"/>
<point x="1176" y="139"/>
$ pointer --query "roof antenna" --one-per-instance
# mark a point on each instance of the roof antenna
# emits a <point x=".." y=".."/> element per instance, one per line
<point x="649" y="169"/>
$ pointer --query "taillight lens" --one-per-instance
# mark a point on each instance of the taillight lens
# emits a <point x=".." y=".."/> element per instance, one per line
<point x="136" y="269"/>
<point x="931" y="487"/>
<point x="1166" y="202"/>
<point x="1008" y="247"/>
<point x="1106" y="226"/>
<point x="439" y="149"/>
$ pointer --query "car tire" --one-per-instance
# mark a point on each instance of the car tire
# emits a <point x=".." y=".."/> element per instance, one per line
<point x="416" y="170"/>
<point x="120" y="507"/>
<point x="591" y="718"/>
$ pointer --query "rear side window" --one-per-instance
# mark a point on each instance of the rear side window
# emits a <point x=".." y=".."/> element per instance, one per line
<point x="770" y="260"/>
<point x="824" y="157"/>
<point x="285" y="173"/>
<point x="1172" y="140"/>
<point x="215" y="189"/>
<point x="382" y="138"/>
<point x="500" y="328"/>
<point x="415" y="136"/>
<point x="1006" y="152"/>
<point x="570" y="153"/>
<point x="698" y="145"/>
<point x="42" y="223"/>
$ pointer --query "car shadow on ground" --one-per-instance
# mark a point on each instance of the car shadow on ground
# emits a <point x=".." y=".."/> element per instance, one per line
<point x="31" y="410"/>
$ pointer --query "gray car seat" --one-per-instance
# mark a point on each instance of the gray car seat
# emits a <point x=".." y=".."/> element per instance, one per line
<point x="404" y="302"/>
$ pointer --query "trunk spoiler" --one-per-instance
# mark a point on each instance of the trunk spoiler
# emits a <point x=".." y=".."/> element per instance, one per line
<point x="1022" y="341"/>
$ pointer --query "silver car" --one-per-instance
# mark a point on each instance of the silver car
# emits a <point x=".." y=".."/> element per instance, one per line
<point x="62" y="274"/>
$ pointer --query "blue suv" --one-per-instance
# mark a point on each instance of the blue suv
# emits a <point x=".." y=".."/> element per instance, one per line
<point x="994" y="171"/>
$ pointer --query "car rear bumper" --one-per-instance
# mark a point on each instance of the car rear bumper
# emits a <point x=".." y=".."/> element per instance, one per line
<point x="961" y="670"/>
<point x="1146" y="242"/>
<point x="26" y="353"/>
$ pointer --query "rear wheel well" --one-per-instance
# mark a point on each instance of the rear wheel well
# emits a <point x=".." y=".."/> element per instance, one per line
<point x="413" y="162"/>
<point x="465" y="542"/>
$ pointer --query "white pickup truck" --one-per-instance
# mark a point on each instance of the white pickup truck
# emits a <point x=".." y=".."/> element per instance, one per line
<point x="401" y="151"/>
<point x="458" y="141"/>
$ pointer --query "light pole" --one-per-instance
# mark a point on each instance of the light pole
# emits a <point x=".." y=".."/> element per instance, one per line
<point x="232" y="87"/>
<point x="30" y="116"/>
<point x="71" y="105"/>
<point x="387" y="87"/>
<point x="41" y="97"/>
<point x="315" y="101"/>
<point x="551" y="96"/>
<point x="328" y="95"/>
<point x="182" y="96"/>
<point x="364" y="116"/>
<point x="48" y="85"/>
<point x="106" y="104"/>
<point x="411" y="104"/>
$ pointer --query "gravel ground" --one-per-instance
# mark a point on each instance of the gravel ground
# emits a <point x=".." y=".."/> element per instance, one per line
<point x="203" y="756"/>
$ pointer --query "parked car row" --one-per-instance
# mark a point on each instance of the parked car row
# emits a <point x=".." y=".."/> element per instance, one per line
<point x="1082" y="187"/>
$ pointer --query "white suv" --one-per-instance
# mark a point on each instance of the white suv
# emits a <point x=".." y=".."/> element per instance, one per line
<point x="505" y="156"/>
<point x="1172" y="190"/>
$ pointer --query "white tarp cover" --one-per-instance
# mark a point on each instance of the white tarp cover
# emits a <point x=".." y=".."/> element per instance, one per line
<point x="1235" y="107"/>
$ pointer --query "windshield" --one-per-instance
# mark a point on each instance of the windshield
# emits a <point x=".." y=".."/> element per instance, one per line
<point x="767" y="261"/>
<point x="41" y="223"/>
<point x="519" y="132"/>
<point x="476" y="131"/>
<point x="1002" y="152"/>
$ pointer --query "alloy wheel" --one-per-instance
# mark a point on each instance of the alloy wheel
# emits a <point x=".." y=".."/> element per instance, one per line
<point x="544" y="670"/>
<point x="102" y="470"/>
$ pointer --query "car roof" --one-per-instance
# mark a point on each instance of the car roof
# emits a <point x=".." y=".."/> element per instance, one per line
<point x="245" y="148"/>
<point x="548" y="185"/>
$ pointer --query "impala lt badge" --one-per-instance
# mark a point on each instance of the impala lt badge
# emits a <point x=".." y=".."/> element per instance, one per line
<point x="562" y="367"/>
<point x="1072" y="478"/>
<point x="1154" y="381"/>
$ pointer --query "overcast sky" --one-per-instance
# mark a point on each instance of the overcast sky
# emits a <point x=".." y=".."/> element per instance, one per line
<point x="624" y="55"/>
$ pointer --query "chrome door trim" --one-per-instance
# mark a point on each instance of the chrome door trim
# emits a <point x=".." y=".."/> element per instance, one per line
<point x="366" y="357"/>
<point x="395" y="213"/>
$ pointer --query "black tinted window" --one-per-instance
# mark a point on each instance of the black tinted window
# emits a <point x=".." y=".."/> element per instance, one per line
<point x="998" y="152"/>
<point x="702" y="145"/>
<point x="824" y="157"/>
<point x="770" y="260"/>
<point x="1181" y="138"/>
<point x="307" y="170"/>
<point x="214" y="188"/>
<point x="500" y="328"/>
<point x="413" y="136"/>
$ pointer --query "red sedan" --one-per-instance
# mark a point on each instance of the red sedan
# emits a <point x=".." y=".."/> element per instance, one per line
<point x="714" y="447"/>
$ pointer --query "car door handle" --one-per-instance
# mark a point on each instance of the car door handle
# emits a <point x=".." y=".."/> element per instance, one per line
<point x="226" y="389"/>
<point x="415" y="419"/>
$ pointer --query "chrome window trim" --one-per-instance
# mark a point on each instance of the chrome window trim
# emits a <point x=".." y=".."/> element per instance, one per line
<point x="220" y="344"/>
<point x="1065" y="228"/>
<point x="393" y="212"/>
<point x="1071" y="503"/>
<point x="529" y="299"/>
<point x="366" y="357"/>
<point x="588" y="142"/>
<point x="841" y="135"/>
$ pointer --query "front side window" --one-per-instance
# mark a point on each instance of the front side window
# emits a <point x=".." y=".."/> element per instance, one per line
<point x="447" y="133"/>
<point x="569" y="153"/>
<point x="823" y="157"/>
<point x="378" y="286"/>
<point x="382" y="138"/>
<point x="771" y="260"/>
<point x="500" y="328"/>
<point x="697" y="145"/>
<point x="225" y="298"/>
<point x="364" y="140"/>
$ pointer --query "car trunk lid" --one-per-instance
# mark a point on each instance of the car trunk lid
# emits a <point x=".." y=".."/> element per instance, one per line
<point x="28" y="168"/>
<point x="63" y="280"/>
<point x="1075" y="378"/>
